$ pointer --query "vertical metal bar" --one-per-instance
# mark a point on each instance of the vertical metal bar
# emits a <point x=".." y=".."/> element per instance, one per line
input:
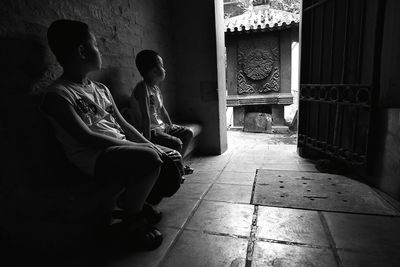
<point x="310" y="72"/>
<point x="354" y="132"/>
<point x="333" y="27"/>
<point x="339" y="113"/>
<point x="321" y="45"/>
<point x="328" y="123"/>
<point x="346" y="26"/>
<point x="360" y="41"/>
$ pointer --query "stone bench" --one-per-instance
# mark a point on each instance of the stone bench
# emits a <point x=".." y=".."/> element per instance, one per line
<point x="196" y="129"/>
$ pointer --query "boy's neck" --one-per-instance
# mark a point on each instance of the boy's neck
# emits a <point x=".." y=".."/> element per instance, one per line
<point x="74" y="76"/>
<point x="149" y="82"/>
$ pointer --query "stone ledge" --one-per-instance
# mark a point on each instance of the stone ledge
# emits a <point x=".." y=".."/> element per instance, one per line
<point x="280" y="129"/>
<point x="270" y="99"/>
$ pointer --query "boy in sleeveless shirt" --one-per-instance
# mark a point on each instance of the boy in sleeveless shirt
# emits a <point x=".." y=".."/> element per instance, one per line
<point x="152" y="118"/>
<point x="93" y="133"/>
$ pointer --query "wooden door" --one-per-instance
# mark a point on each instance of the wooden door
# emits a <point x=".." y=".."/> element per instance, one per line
<point x="339" y="78"/>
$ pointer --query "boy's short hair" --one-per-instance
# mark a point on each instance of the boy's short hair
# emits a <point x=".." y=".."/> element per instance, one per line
<point x="64" y="36"/>
<point x="146" y="60"/>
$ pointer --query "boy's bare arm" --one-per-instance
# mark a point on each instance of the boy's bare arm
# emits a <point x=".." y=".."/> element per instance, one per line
<point x="131" y="133"/>
<point x="144" y="109"/>
<point x="165" y="116"/>
<point x="65" y="115"/>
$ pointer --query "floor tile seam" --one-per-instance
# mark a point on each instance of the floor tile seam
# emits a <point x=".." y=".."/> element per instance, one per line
<point x="252" y="238"/>
<point x="180" y="231"/>
<point x="254" y="187"/>
<point x="227" y="202"/>
<point x="233" y="184"/>
<point x="238" y="171"/>
<point x="331" y="240"/>
<point x="328" y="211"/>
<point x="298" y="170"/>
<point x="183" y="197"/>
<point x="195" y="182"/>
<point x="387" y="202"/>
<point x="203" y="231"/>
<point x="291" y="243"/>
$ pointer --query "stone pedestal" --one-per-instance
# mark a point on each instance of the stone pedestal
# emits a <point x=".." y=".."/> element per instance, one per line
<point x="238" y="116"/>
<point x="258" y="122"/>
<point x="278" y="115"/>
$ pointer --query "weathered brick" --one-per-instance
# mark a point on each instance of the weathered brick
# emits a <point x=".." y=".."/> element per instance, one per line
<point x="122" y="27"/>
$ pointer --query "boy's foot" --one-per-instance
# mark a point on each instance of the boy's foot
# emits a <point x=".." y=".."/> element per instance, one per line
<point x="151" y="214"/>
<point x="139" y="234"/>
<point x="188" y="170"/>
<point x="146" y="237"/>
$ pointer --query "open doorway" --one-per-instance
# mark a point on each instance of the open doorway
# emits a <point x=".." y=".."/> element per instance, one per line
<point x="262" y="66"/>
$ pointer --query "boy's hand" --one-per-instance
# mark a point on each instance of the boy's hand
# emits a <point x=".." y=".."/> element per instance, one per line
<point x="168" y="126"/>
<point x="151" y="146"/>
<point x="159" y="151"/>
<point x="171" y="127"/>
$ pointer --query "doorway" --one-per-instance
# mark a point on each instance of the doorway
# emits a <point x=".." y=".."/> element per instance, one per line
<point x="262" y="67"/>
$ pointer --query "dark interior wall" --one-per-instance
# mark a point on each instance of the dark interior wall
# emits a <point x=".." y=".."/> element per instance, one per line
<point x="122" y="28"/>
<point x="198" y="97"/>
<point x="387" y="164"/>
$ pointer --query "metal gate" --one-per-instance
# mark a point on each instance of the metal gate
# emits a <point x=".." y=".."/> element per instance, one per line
<point x="340" y="53"/>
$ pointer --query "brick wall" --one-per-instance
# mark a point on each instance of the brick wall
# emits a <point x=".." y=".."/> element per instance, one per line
<point x="122" y="28"/>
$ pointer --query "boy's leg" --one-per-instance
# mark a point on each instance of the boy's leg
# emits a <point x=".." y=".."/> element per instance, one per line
<point x="167" y="140"/>
<point x="137" y="168"/>
<point x="184" y="134"/>
<point x="134" y="167"/>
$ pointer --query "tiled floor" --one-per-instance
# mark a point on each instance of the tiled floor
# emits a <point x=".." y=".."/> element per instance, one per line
<point x="210" y="221"/>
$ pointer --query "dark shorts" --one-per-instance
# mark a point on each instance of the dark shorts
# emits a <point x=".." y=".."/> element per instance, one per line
<point x="177" y="138"/>
<point x="118" y="163"/>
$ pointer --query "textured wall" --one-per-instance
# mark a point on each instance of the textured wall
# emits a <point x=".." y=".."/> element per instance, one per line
<point x="386" y="174"/>
<point x="387" y="161"/>
<point x="122" y="27"/>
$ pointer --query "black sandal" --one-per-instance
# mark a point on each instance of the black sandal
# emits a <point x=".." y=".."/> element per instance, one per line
<point x="188" y="170"/>
<point x="145" y="237"/>
<point x="139" y="234"/>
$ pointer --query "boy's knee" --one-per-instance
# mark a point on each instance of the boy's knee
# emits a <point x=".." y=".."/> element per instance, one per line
<point x="151" y="158"/>
<point x="176" y="144"/>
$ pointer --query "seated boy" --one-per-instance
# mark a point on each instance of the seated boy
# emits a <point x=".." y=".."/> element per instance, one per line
<point x="154" y="121"/>
<point x="93" y="133"/>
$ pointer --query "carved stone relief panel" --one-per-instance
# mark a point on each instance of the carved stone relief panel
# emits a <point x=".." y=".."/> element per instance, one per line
<point x="258" y="65"/>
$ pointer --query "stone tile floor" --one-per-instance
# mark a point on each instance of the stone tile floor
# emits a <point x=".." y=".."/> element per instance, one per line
<point x="210" y="221"/>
